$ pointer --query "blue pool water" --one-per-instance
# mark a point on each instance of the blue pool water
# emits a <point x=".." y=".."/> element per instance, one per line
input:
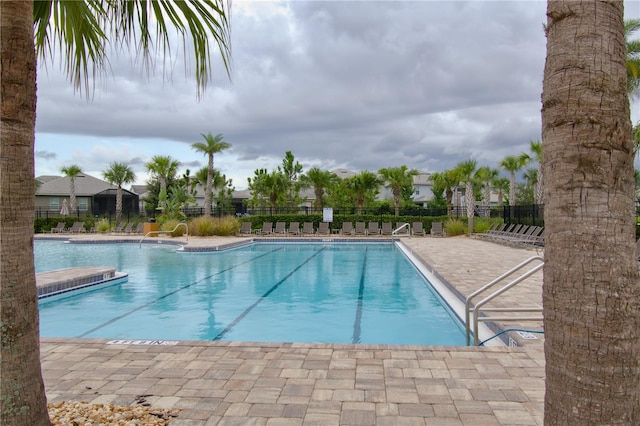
<point x="316" y="292"/>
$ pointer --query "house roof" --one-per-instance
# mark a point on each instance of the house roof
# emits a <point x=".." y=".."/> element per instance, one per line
<point x="46" y="178"/>
<point x="85" y="186"/>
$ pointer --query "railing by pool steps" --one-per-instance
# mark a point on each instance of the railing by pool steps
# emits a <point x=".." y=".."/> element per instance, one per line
<point x="186" y="228"/>
<point x="400" y="228"/>
<point x="480" y="304"/>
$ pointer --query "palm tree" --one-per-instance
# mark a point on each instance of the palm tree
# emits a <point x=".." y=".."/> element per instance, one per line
<point x="211" y="145"/>
<point x="486" y="175"/>
<point x="536" y="150"/>
<point x="218" y="180"/>
<point x="75" y="28"/>
<point x="363" y="186"/>
<point x="320" y="180"/>
<point x="466" y="172"/>
<point x="633" y="56"/>
<point x="591" y="292"/>
<point x="512" y="164"/>
<point x="72" y="173"/>
<point x="163" y="168"/>
<point x="119" y="174"/>
<point x="400" y="180"/>
<point x="531" y="176"/>
<point x="449" y="181"/>
<point x="501" y="185"/>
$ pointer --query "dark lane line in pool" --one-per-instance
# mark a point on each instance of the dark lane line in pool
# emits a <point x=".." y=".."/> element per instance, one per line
<point x="263" y="297"/>
<point x="356" y="325"/>
<point x="171" y="293"/>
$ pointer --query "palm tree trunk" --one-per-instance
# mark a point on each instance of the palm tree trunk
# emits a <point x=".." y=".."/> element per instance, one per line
<point x="118" y="203"/>
<point x="396" y="203"/>
<point x="207" y="189"/>
<point x="591" y="291"/>
<point x="22" y="397"/>
<point x="72" y="196"/>
<point x="512" y="189"/>
<point x="471" y="203"/>
<point x="539" y="194"/>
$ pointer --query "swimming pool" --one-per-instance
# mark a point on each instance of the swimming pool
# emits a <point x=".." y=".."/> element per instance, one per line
<point x="265" y="292"/>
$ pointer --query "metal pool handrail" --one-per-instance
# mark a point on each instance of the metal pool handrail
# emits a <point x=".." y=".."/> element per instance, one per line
<point x="476" y="309"/>
<point x="166" y="232"/>
<point x="404" y="225"/>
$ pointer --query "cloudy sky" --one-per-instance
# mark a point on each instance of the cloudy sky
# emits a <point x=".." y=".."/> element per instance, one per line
<point x="359" y="85"/>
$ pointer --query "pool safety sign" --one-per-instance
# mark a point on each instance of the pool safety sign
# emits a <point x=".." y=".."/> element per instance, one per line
<point x="327" y="214"/>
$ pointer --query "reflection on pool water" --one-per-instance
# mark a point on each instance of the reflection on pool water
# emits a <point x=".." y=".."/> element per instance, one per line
<point x="315" y="292"/>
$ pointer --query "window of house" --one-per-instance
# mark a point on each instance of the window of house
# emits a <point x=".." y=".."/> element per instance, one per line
<point x="83" y="204"/>
<point x="54" y="203"/>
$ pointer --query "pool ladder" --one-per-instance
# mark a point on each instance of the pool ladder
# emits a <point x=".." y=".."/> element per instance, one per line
<point x="186" y="228"/>
<point x="476" y="308"/>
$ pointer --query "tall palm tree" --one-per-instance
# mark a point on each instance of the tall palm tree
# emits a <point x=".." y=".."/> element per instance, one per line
<point x="633" y="56"/>
<point x="466" y="172"/>
<point x="536" y="150"/>
<point x="449" y="181"/>
<point x="211" y="145"/>
<point x="501" y="185"/>
<point x="72" y="173"/>
<point x="320" y="180"/>
<point x="591" y="292"/>
<point x="363" y="186"/>
<point x="512" y="164"/>
<point x="400" y="180"/>
<point x="81" y="29"/>
<point x="486" y="175"/>
<point x="119" y="174"/>
<point x="163" y="167"/>
<point x="531" y="177"/>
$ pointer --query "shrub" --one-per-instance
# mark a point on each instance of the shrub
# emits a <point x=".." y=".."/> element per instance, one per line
<point x="454" y="227"/>
<point x="482" y="224"/>
<point x="202" y="226"/>
<point x="102" y="225"/>
<point x="207" y="226"/>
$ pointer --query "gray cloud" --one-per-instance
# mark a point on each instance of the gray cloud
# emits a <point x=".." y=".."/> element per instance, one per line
<point x="362" y="85"/>
<point x="46" y="155"/>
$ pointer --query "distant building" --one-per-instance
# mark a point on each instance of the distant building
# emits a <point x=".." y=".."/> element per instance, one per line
<point x="93" y="196"/>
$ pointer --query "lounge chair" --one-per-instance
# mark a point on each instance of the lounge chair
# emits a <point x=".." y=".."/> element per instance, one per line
<point x="373" y="229"/>
<point x="245" y="229"/>
<point x="360" y="229"/>
<point x="76" y="228"/>
<point x="402" y="228"/>
<point x="140" y="228"/>
<point x="386" y="228"/>
<point x="294" y="228"/>
<point x="347" y="228"/>
<point x="119" y="227"/>
<point x="58" y="229"/>
<point x="267" y="228"/>
<point x="280" y="228"/>
<point x="323" y="229"/>
<point x="417" y="229"/>
<point x="437" y="230"/>
<point x="307" y="228"/>
<point x="128" y="229"/>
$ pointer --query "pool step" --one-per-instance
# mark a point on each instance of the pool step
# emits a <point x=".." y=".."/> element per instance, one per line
<point x="61" y="281"/>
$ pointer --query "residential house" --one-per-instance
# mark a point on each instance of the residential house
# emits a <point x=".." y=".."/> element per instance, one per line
<point x="93" y="196"/>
